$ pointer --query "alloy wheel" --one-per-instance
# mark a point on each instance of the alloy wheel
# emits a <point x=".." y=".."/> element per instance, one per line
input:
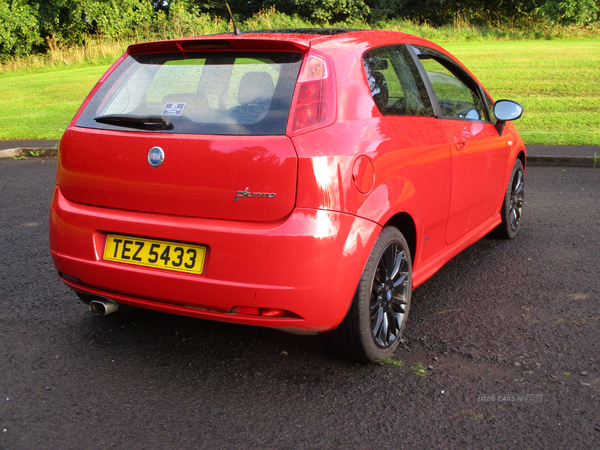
<point x="516" y="200"/>
<point x="391" y="284"/>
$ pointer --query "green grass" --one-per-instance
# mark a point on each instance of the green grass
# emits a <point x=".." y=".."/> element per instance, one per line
<point x="419" y="369"/>
<point x="41" y="105"/>
<point x="392" y="362"/>
<point x="557" y="81"/>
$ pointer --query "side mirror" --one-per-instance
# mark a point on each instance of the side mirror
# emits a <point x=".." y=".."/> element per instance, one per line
<point x="506" y="110"/>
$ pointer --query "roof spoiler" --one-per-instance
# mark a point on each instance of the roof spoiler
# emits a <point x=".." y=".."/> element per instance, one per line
<point x="221" y="44"/>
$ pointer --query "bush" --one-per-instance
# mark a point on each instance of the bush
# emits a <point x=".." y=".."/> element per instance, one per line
<point x="19" y="30"/>
<point x="270" y="19"/>
<point x="328" y="11"/>
<point x="73" y="21"/>
<point x="28" y="26"/>
<point x="567" y="12"/>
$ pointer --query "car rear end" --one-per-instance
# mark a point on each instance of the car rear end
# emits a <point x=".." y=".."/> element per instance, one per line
<point x="177" y="184"/>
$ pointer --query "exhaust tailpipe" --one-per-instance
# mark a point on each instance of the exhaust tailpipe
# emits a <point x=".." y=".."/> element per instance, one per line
<point x="103" y="306"/>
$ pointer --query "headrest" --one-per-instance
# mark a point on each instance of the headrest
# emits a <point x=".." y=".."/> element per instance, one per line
<point x="256" y="87"/>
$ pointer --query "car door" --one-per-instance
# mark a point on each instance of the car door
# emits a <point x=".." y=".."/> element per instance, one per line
<point x="417" y="150"/>
<point x="478" y="152"/>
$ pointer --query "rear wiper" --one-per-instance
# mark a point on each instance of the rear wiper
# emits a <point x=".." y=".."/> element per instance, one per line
<point x="141" y="123"/>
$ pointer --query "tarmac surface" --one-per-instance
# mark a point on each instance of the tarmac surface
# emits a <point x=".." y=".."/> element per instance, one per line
<point x="500" y="351"/>
<point x="546" y="155"/>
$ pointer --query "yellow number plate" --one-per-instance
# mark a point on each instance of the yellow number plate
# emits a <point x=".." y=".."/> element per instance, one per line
<point x="153" y="253"/>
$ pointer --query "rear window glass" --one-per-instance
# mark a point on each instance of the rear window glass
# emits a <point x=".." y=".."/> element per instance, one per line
<point x="230" y="93"/>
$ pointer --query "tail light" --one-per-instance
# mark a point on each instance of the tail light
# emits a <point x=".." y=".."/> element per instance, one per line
<point x="314" y="103"/>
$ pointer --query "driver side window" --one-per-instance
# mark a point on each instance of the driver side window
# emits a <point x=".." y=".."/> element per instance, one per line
<point x="455" y="97"/>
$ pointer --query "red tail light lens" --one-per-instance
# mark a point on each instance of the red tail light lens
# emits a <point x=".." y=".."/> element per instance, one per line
<point x="314" y="102"/>
<point x="264" y="312"/>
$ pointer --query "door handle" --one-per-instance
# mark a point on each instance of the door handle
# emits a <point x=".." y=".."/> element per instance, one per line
<point x="460" y="145"/>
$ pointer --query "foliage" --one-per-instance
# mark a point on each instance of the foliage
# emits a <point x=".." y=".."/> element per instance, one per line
<point x="328" y="11"/>
<point x="242" y="9"/>
<point x="72" y="21"/>
<point x="384" y="9"/>
<point x="272" y="19"/>
<point x="19" y="31"/>
<point x="181" y="22"/>
<point x="32" y="26"/>
<point x="419" y="369"/>
<point x="580" y="12"/>
<point x="392" y="362"/>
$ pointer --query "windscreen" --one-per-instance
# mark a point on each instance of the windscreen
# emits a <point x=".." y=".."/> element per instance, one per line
<point x="228" y="93"/>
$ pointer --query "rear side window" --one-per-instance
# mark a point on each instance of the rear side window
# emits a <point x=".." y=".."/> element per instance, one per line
<point x="395" y="83"/>
<point x="243" y="93"/>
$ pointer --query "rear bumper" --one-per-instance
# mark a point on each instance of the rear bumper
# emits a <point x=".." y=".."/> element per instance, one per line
<point x="308" y="264"/>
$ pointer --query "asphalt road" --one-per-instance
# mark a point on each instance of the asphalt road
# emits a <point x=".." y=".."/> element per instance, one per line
<point x="502" y="320"/>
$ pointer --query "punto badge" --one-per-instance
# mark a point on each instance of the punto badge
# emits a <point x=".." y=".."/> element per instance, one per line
<point x="247" y="193"/>
<point x="156" y="156"/>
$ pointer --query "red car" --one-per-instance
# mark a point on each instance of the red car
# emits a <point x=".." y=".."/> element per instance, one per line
<point x="304" y="180"/>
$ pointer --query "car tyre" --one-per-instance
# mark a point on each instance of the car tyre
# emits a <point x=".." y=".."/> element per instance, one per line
<point x="373" y="327"/>
<point x="512" y="207"/>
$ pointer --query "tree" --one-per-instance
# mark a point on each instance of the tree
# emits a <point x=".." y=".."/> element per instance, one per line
<point x="71" y="21"/>
<point x="384" y="9"/>
<point x="331" y="11"/>
<point x="241" y="9"/>
<point x="19" y="31"/>
<point x="579" y="12"/>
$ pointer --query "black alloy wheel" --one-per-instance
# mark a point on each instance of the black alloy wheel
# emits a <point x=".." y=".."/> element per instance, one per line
<point x="512" y="208"/>
<point x="375" y="323"/>
<point x="389" y="295"/>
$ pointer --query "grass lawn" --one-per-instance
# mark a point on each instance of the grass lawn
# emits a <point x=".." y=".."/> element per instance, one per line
<point x="558" y="83"/>
<point x="41" y="105"/>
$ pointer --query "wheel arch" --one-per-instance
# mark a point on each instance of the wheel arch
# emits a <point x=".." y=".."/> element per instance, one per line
<point x="522" y="157"/>
<point x="406" y="225"/>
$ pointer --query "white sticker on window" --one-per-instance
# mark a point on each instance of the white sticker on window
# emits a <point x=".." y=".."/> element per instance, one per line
<point x="173" y="109"/>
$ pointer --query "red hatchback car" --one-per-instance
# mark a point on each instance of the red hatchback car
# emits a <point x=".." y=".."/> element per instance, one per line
<point x="304" y="180"/>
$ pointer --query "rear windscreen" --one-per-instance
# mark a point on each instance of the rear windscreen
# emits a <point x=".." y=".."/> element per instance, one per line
<point x="243" y="93"/>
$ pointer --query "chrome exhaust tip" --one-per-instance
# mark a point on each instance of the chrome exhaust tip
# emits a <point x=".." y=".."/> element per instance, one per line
<point x="103" y="306"/>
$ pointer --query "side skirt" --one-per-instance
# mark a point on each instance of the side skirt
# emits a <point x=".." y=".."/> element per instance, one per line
<point x="422" y="274"/>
